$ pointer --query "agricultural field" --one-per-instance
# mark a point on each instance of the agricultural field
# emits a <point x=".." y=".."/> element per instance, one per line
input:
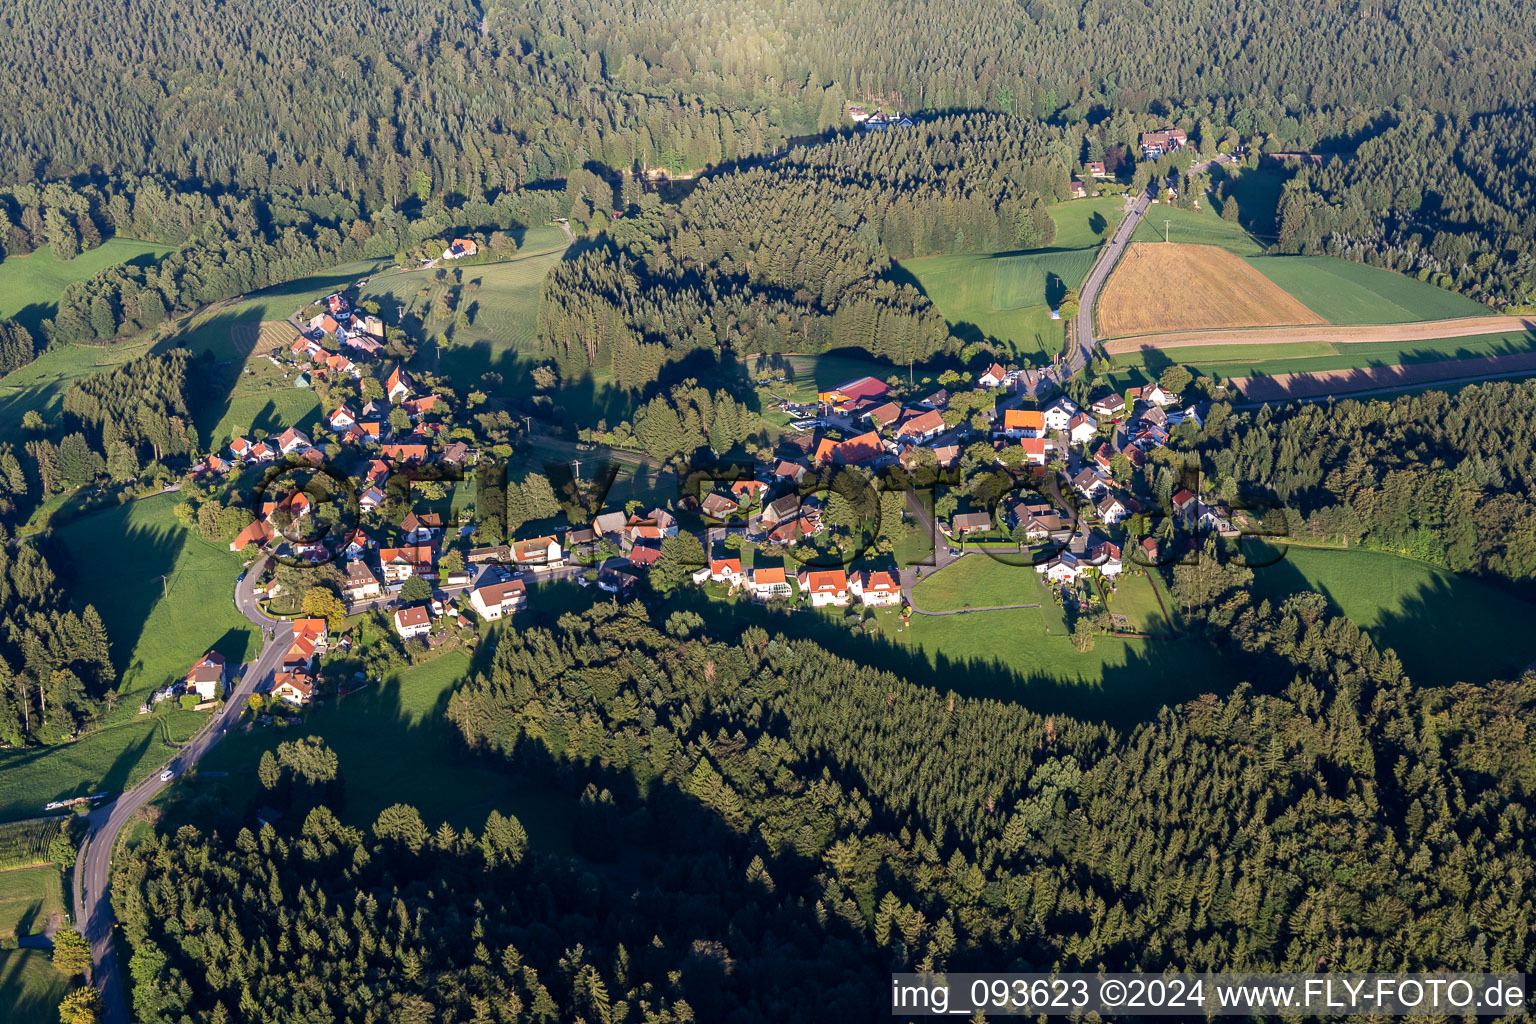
<point x="1158" y="288"/>
<point x="1345" y="292"/>
<point x="1007" y="298"/>
<point x="30" y="988"/>
<point x="1414" y="609"/>
<point x="25" y="843"/>
<point x="30" y="285"/>
<point x="28" y="898"/>
<point x="394" y="745"/>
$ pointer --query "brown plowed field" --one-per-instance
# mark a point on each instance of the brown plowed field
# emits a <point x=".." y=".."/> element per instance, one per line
<point x="1370" y="378"/>
<point x="1173" y="287"/>
<point x="1428" y="330"/>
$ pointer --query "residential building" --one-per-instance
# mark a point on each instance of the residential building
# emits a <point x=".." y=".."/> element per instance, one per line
<point x="1034" y="450"/>
<point x="781" y="510"/>
<point x="360" y="583"/>
<point x="726" y="570"/>
<point x="491" y="554"/>
<point x="292" y="440"/>
<point x="992" y="377"/>
<point x="1090" y="484"/>
<point x="398" y="385"/>
<point x="1155" y="144"/>
<point x="308" y="643"/>
<point x="919" y="428"/>
<point x="966" y="523"/>
<point x="1058" y="415"/>
<point x="853" y="391"/>
<point x="613" y="581"/>
<point x="498" y="599"/>
<point x="610" y="524"/>
<point x="401" y="563"/>
<point x="1111" y="509"/>
<point x="412" y="622"/>
<point x="1081" y="427"/>
<point x="769" y="583"/>
<point x="876" y="589"/>
<point x="718" y="506"/>
<point x="293" y="686"/>
<point x="207" y="676"/>
<point x="826" y="587"/>
<point x="459" y="248"/>
<point x="1096" y="169"/>
<point x="538" y="553"/>
<point x="421" y="528"/>
<point x="1021" y="423"/>
<point x="1109" y="405"/>
<point x="342" y="418"/>
<point x="1160" y="396"/>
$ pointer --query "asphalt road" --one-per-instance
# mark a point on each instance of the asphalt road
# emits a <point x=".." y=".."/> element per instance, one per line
<point x="93" y="877"/>
<point x="1080" y="349"/>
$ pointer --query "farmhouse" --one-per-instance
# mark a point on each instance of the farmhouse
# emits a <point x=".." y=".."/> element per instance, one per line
<point x="826" y="586"/>
<point x="207" y="676"/>
<point x="460" y="248"/>
<point x="293" y="687"/>
<point x="876" y="589"/>
<point x="494" y="601"/>
<point x="846" y="395"/>
<point x="412" y="622"/>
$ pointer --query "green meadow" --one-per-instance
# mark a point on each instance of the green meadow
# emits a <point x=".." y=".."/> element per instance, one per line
<point x="1304" y="357"/>
<point x="1445" y="627"/>
<point x="30" y="285"/>
<point x="28" y="898"/>
<point x="1195" y="227"/>
<point x="1007" y="297"/>
<point x="166" y="597"/>
<point x="1344" y="292"/>
<point x="394" y="744"/>
<point x="30" y="988"/>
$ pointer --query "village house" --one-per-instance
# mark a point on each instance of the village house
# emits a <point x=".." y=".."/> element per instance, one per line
<point x="882" y="416"/>
<point x="342" y="418"/>
<point x="371" y="499"/>
<point x="938" y="400"/>
<point x="365" y="344"/>
<point x="876" y="589"/>
<point x="399" y="385"/>
<point x="992" y="377"/>
<point x="1081" y="427"/>
<point x="1109" y="405"/>
<point x="1096" y="169"/>
<point x="1090" y="484"/>
<point x="460" y="248"/>
<point x="748" y="491"/>
<point x="788" y="472"/>
<point x="780" y="510"/>
<point x="1111" y="509"/>
<point x="239" y="449"/>
<point x="614" y="581"/>
<point x="360" y="583"/>
<point x="1064" y="568"/>
<point x="412" y="622"/>
<point x="1155" y="144"/>
<point x="769" y="583"/>
<point x="1021" y="423"/>
<point x="610" y="524"/>
<point x="718" y="506"/>
<point x="307" y="644"/>
<point x="1160" y="396"/>
<point x="491" y="554"/>
<point x="1105" y="557"/>
<point x="966" y="523"/>
<point x="401" y="563"/>
<point x="1079" y="190"/>
<point x="292" y="440"/>
<point x="1058" y="415"/>
<point x="1034" y="450"/>
<point x="1184" y="504"/>
<point x="721" y="570"/>
<point x="498" y="599"/>
<point x="921" y="427"/>
<point x="421" y="528"/>
<point x="826" y="587"/>
<point x="207" y="676"/>
<point x="538" y="553"/>
<point x="856" y="451"/>
<point x="293" y="687"/>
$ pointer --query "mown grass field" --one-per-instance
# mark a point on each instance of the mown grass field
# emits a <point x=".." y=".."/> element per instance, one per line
<point x="1135" y="596"/>
<point x="1303" y="357"/>
<point x="978" y="580"/>
<point x="30" y="988"/>
<point x="394" y="745"/>
<point x="30" y="285"/>
<point x="1007" y="297"/>
<point x="1344" y="292"/>
<point x="1196" y="227"/>
<point x="28" y="898"/>
<point x="1444" y="627"/>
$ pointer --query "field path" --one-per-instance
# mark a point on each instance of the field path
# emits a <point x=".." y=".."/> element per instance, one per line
<point x="1425" y="330"/>
<point x="1382" y="379"/>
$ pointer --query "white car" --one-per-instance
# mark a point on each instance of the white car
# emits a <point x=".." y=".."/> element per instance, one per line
<point x="167" y="775"/>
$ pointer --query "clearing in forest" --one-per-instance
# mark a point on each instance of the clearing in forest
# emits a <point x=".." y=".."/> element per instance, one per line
<point x="1171" y="287"/>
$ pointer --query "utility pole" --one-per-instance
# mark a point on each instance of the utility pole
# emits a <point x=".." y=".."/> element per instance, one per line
<point x="165" y="588"/>
<point x="576" y="467"/>
<point x="1165" y="231"/>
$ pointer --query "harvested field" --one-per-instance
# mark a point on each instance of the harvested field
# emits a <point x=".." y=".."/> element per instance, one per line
<point x="1431" y="330"/>
<point x="1162" y="287"/>
<point x="1284" y="386"/>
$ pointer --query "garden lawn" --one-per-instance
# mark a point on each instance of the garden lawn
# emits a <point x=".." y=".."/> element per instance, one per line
<point x="28" y="898"/>
<point x="1198" y="227"/>
<point x="980" y="580"/>
<point x="1344" y="292"/>
<point x="395" y="745"/>
<point x="30" y="286"/>
<point x="30" y="988"/>
<point x="1445" y="628"/>
<point x="1135" y="597"/>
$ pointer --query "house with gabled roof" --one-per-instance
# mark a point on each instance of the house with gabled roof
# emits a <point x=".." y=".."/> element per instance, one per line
<point x="718" y="506"/>
<point x="916" y="429"/>
<point x="1058" y="415"/>
<point x="259" y="533"/>
<point x="538" y="553"/>
<point x="825" y="586"/>
<point x="966" y="523"/>
<point x="293" y="686"/>
<point x="769" y="583"/>
<point x="401" y="563"/>
<point x="992" y="377"/>
<point x="399" y="384"/>
<point x="876" y="589"/>
<point x="498" y="599"/>
<point x="1111" y="509"/>
<point x="421" y="528"/>
<point x="360" y="584"/>
<point x="412" y="622"/>
<point x="207" y="675"/>
<point x="342" y="418"/>
<point x="1021" y="423"/>
<point x="291" y="440"/>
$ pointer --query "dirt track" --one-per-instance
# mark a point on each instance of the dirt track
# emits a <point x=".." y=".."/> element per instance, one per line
<point x="1429" y="330"/>
<point x="1285" y="386"/>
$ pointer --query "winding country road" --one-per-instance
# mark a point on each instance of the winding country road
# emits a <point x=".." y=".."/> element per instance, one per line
<point x="93" y="868"/>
